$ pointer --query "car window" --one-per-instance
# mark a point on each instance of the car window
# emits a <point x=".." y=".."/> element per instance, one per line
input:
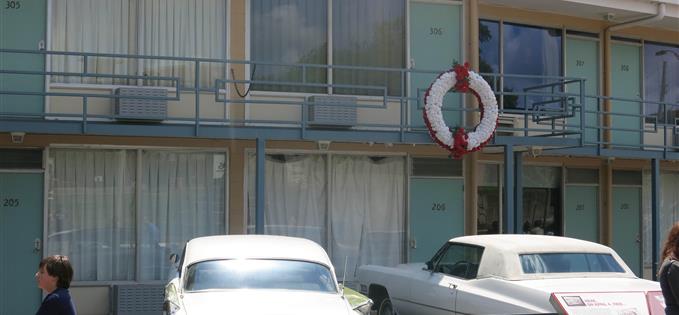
<point x="569" y="262"/>
<point x="459" y="260"/>
<point x="259" y="274"/>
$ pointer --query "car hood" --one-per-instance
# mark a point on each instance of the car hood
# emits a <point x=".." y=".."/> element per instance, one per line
<point x="265" y="302"/>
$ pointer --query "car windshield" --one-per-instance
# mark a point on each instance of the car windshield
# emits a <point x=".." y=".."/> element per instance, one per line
<point x="569" y="262"/>
<point x="259" y="274"/>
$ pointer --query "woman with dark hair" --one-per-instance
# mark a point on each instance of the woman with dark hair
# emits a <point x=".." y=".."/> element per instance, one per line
<point x="54" y="278"/>
<point x="668" y="275"/>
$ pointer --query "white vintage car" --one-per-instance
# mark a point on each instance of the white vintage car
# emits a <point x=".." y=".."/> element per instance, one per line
<point x="512" y="274"/>
<point x="256" y="274"/>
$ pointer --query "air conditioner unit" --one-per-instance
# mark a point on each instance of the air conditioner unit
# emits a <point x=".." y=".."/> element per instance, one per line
<point x="506" y="122"/>
<point x="138" y="299"/>
<point x="333" y="111"/>
<point x="144" y="108"/>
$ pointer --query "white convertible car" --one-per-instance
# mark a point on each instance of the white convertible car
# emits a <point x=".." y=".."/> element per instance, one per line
<point x="512" y="274"/>
<point x="257" y="274"/>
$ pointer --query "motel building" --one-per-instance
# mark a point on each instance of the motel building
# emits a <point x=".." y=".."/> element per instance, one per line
<point x="128" y="127"/>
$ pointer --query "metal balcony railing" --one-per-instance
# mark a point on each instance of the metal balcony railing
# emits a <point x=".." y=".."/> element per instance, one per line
<point x="274" y="100"/>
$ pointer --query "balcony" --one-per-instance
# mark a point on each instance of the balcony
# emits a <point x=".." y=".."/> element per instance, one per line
<point x="556" y="115"/>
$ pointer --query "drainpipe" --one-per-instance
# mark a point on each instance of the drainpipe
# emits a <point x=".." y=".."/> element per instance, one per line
<point x="607" y="215"/>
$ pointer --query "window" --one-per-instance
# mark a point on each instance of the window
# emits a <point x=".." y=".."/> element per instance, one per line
<point x="459" y="260"/>
<point x="259" y="274"/>
<point x="353" y="206"/>
<point x="93" y="214"/>
<point x="489" y="199"/>
<point x="288" y="33"/>
<point x="173" y="28"/>
<point x="568" y="262"/>
<point x="542" y="211"/>
<point x="661" y="82"/>
<point x="526" y="51"/>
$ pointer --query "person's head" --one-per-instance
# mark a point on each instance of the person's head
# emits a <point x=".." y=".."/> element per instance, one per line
<point x="671" y="247"/>
<point x="54" y="272"/>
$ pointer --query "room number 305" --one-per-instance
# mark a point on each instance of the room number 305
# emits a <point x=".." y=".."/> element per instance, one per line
<point x="12" y="4"/>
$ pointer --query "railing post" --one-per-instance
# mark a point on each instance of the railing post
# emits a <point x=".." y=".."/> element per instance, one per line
<point x="518" y="192"/>
<point x="84" y="117"/>
<point x="583" y="111"/>
<point x="259" y="182"/>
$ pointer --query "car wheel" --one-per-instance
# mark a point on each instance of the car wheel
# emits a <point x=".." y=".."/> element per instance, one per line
<point x="386" y="308"/>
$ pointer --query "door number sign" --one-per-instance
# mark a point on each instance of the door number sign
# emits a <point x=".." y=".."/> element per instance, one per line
<point x="10" y="202"/>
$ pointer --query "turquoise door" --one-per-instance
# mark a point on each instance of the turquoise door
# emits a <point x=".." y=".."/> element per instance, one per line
<point x="436" y="214"/>
<point x="435" y="43"/>
<point x="581" y="213"/>
<point x="20" y="241"/>
<point x="582" y="61"/>
<point x="22" y="26"/>
<point x="626" y="222"/>
<point x="626" y="83"/>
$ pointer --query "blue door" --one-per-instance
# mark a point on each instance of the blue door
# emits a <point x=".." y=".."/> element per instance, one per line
<point x="626" y="223"/>
<point x="582" y="61"/>
<point x="20" y="241"/>
<point x="22" y="26"/>
<point x="435" y="43"/>
<point x="581" y="212"/>
<point x="436" y="214"/>
<point x="626" y="84"/>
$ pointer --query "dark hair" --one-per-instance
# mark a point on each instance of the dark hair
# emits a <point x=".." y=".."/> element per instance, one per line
<point x="671" y="247"/>
<point x="60" y="267"/>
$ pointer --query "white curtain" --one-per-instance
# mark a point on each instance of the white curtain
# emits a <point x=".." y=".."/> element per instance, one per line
<point x="182" y="28"/>
<point x="96" y="26"/>
<point x="367" y="212"/>
<point x="91" y="212"/>
<point x="296" y="196"/>
<point x="182" y="197"/>
<point x="174" y="28"/>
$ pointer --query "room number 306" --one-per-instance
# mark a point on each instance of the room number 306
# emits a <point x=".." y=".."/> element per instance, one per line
<point x="12" y="4"/>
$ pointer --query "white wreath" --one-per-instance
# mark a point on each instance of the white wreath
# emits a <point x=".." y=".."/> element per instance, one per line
<point x="438" y="129"/>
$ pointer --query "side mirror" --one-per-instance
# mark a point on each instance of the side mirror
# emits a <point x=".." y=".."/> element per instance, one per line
<point x="174" y="259"/>
<point x="430" y="265"/>
<point x="364" y="308"/>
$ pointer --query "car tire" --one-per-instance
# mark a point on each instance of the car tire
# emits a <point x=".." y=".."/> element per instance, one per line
<point x="386" y="308"/>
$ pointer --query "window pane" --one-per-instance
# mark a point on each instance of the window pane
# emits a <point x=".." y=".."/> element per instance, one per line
<point x="258" y="274"/>
<point x="488" y="221"/>
<point x="569" y="262"/>
<point x="296" y="196"/>
<point x="372" y="34"/>
<point x="460" y="261"/>
<point x="93" y="26"/>
<point x="661" y="81"/>
<point x="182" y="197"/>
<point x="91" y="212"/>
<point x="289" y="33"/>
<point x="489" y="50"/>
<point x="529" y="51"/>
<point x="180" y="28"/>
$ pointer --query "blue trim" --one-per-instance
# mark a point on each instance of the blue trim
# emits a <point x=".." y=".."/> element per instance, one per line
<point x="259" y="182"/>
<point x="655" y="215"/>
<point x="508" y="215"/>
<point x="518" y="192"/>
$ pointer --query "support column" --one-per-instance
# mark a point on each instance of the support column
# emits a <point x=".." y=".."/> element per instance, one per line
<point x="470" y="161"/>
<point x="606" y="226"/>
<point x="518" y="192"/>
<point x="655" y="214"/>
<point x="259" y="182"/>
<point x="508" y="219"/>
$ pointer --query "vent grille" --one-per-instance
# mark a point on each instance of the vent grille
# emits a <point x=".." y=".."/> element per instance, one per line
<point x="138" y="299"/>
<point x="143" y="108"/>
<point x="434" y="167"/>
<point x="20" y="159"/>
<point x="335" y="111"/>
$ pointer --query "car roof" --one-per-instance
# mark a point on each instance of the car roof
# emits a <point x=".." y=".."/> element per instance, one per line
<point x="254" y="247"/>
<point x="531" y="243"/>
<point x="501" y="254"/>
